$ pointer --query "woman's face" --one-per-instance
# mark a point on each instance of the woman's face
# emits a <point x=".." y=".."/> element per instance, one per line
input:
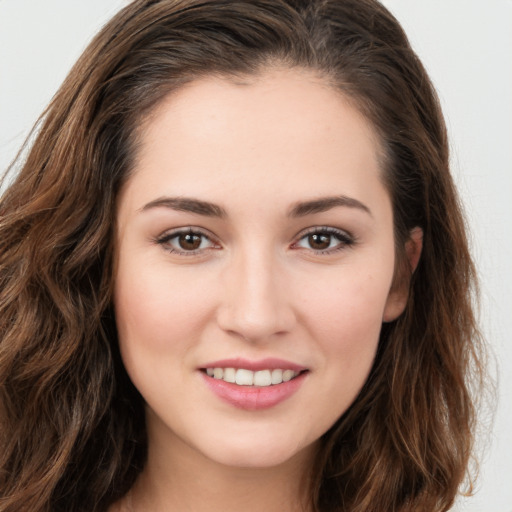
<point x="255" y="245"/>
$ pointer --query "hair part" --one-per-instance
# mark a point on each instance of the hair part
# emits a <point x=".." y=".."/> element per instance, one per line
<point x="72" y="433"/>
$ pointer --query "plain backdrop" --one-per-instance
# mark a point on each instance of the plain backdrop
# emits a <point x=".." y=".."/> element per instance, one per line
<point x="466" y="46"/>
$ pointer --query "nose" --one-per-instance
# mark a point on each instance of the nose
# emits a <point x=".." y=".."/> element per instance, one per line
<point x="255" y="304"/>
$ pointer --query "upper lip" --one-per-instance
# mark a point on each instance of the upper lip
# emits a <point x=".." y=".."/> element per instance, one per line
<point x="269" y="363"/>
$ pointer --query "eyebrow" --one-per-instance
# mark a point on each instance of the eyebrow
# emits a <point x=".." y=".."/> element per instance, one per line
<point x="301" y="209"/>
<point x="324" y="204"/>
<point x="186" y="204"/>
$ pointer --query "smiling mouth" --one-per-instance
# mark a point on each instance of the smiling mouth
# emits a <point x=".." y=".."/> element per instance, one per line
<point x="244" y="377"/>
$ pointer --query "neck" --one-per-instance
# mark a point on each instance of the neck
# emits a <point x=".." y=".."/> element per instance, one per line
<point x="179" y="478"/>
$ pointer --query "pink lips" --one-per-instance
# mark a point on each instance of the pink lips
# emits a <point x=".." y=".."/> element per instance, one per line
<point x="270" y="363"/>
<point x="254" y="397"/>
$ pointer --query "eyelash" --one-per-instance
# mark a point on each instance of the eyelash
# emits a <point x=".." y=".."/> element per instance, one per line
<point x="345" y="240"/>
<point x="165" y="239"/>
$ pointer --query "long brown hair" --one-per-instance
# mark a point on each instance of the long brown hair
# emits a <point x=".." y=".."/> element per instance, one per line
<point x="72" y="434"/>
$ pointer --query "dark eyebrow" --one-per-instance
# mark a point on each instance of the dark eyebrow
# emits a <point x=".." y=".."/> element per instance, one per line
<point x="186" y="204"/>
<point x="323" y="204"/>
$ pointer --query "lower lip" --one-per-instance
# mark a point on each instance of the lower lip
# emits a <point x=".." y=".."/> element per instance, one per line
<point x="254" y="398"/>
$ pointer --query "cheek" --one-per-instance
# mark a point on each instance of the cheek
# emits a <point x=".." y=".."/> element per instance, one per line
<point x="351" y="301"/>
<point x="344" y="316"/>
<point x="159" y="318"/>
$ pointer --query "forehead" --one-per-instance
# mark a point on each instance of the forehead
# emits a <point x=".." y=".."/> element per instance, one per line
<point x="284" y="128"/>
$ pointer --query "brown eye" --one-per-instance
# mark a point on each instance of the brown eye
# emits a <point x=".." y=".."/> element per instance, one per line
<point x="325" y="240"/>
<point x="319" y="241"/>
<point x="189" y="241"/>
<point x="186" y="242"/>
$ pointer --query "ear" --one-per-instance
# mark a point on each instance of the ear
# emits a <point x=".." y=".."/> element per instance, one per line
<point x="399" y="293"/>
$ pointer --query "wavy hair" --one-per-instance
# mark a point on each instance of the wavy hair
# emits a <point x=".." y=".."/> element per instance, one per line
<point x="72" y="433"/>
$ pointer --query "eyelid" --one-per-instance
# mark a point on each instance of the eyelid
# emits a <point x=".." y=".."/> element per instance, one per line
<point x="168" y="235"/>
<point x="345" y="238"/>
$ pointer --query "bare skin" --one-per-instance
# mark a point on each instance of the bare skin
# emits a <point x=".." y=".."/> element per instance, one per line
<point x="272" y="275"/>
<point x="197" y="484"/>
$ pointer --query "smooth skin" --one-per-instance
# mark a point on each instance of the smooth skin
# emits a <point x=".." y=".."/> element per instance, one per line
<point x="255" y="225"/>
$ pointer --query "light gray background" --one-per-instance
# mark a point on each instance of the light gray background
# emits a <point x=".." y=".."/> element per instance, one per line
<point x="466" y="46"/>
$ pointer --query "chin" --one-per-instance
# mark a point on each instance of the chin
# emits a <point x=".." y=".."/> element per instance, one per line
<point x="260" y="454"/>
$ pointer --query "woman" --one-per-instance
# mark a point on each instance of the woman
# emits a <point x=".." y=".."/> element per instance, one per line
<point x="234" y="272"/>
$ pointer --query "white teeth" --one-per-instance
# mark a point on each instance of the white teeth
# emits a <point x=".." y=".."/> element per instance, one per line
<point x="288" y="375"/>
<point x="229" y="375"/>
<point x="243" y="377"/>
<point x="262" y="378"/>
<point x="277" y="376"/>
